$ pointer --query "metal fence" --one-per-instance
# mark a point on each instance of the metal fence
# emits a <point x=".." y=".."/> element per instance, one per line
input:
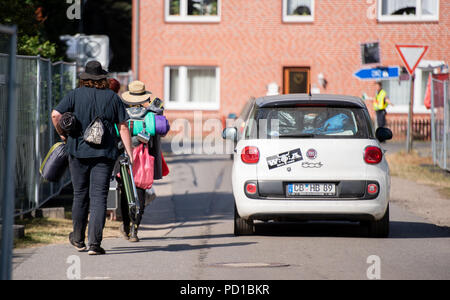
<point x="40" y="85"/>
<point x="8" y="44"/>
<point x="440" y="123"/>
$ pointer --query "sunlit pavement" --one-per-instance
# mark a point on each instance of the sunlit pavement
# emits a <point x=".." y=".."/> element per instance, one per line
<point x="188" y="235"/>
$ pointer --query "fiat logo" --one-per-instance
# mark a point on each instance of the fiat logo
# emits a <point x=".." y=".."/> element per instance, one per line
<point x="311" y="154"/>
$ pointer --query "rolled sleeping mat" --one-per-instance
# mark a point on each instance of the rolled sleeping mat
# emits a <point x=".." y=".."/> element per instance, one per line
<point x="68" y="123"/>
<point x="148" y="122"/>
<point x="161" y="125"/>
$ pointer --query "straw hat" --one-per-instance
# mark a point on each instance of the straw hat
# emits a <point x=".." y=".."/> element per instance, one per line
<point x="136" y="94"/>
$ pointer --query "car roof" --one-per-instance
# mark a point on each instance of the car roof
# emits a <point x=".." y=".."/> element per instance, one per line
<point x="321" y="99"/>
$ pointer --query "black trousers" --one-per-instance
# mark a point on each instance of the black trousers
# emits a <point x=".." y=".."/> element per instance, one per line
<point x="381" y="118"/>
<point x="90" y="180"/>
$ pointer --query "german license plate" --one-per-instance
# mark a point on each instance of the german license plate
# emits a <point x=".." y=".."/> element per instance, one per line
<point x="311" y="189"/>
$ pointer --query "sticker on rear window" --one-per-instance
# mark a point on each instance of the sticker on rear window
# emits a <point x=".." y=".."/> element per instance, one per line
<point x="285" y="158"/>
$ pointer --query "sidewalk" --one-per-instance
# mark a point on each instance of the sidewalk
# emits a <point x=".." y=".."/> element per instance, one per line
<point x="424" y="148"/>
<point x="421" y="199"/>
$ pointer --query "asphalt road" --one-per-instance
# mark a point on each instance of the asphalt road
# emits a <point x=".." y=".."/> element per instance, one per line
<point x="188" y="235"/>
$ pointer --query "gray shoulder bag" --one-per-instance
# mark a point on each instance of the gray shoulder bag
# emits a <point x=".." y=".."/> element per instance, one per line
<point x="96" y="130"/>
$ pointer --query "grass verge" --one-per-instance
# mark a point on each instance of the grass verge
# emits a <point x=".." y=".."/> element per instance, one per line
<point x="45" y="231"/>
<point x="419" y="169"/>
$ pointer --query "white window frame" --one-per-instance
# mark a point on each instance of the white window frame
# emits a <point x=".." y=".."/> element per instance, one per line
<point x="416" y="18"/>
<point x="182" y="103"/>
<point x="185" y="18"/>
<point x="419" y="106"/>
<point x="298" y="19"/>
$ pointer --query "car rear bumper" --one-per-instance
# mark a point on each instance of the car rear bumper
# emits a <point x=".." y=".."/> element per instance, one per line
<point x="312" y="210"/>
<point x="345" y="189"/>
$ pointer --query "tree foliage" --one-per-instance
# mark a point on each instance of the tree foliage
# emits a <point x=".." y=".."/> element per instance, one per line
<point x="32" y="27"/>
<point x="41" y="22"/>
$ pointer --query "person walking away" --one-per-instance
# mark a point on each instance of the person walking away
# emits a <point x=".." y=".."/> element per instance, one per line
<point x="91" y="164"/>
<point x="140" y="103"/>
<point x="380" y="104"/>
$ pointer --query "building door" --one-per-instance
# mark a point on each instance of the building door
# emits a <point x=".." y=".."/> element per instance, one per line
<point x="296" y="80"/>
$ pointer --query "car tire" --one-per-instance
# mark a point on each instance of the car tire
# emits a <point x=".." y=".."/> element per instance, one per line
<point x="242" y="226"/>
<point x="380" y="228"/>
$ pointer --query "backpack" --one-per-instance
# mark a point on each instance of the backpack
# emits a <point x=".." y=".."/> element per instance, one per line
<point x="141" y="120"/>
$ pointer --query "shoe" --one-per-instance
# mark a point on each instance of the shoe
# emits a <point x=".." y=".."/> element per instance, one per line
<point x="96" y="250"/>
<point x="77" y="245"/>
<point x="125" y="231"/>
<point x="133" y="237"/>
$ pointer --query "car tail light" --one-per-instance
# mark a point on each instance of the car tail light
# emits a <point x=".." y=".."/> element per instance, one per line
<point x="373" y="155"/>
<point x="372" y="189"/>
<point x="251" y="188"/>
<point x="250" y="155"/>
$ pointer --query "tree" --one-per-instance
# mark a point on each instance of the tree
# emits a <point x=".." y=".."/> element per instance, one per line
<point x="30" y="19"/>
<point x="41" y="22"/>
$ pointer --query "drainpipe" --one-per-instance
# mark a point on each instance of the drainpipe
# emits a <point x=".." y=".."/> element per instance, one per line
<point x="136" y="40"/>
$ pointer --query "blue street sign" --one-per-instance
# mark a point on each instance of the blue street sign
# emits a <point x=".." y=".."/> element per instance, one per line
<point x="379" y="73"/>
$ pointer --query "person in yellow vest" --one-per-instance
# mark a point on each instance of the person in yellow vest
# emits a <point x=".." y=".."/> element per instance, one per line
<point x="380" y="103"/>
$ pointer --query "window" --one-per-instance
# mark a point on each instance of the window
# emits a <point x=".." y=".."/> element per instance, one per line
<point x="193" y="10"/>
<point x="298" y="10"/>
<point x="192" y="88"/>
<point x="398" y="92"/>
<point x="308" y="122"/>
<point x="408" y="10"/>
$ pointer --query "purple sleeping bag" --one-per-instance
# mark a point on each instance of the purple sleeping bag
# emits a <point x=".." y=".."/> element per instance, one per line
<point x="161" y="125"/>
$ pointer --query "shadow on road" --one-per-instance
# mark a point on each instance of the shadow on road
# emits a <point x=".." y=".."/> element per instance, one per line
<point x="189" y="207"/>
<point x="194" y="237"/>
<point x="184" y="225"/>
<point x="416" y="230"/>
<point x="205" y="208"/>
<point x="172" y="248"/>
<point x="398" y="230"/>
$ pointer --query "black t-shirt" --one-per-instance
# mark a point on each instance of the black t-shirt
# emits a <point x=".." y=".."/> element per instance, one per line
<point x="86" y="104"/>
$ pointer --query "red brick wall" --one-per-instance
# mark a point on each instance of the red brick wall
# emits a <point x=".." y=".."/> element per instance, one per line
<point x="251" y="45"/>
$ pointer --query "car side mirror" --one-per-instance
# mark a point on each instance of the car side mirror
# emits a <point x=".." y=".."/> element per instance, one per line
<point x="383" y="134"/>
<point x="230" y="133"/>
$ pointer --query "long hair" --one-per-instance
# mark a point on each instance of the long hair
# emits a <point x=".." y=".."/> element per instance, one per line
<point x="101" y="84"/>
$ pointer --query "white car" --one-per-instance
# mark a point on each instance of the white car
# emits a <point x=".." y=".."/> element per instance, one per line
<point x="305" y="157"/>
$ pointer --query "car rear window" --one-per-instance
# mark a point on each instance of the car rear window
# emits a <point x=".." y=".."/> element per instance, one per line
<point x="309" y="122"/>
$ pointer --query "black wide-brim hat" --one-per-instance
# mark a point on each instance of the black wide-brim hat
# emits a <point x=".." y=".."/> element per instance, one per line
<point x="93" y="71"/>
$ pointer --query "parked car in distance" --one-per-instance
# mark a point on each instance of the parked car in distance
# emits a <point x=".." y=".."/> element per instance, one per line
<point x="303" y="157"/>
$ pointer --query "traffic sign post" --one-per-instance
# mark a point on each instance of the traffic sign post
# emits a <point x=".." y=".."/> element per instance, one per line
<point x="411" y="56"/>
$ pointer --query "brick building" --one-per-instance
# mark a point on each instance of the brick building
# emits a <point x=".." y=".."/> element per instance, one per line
<point x="213" y="55"/>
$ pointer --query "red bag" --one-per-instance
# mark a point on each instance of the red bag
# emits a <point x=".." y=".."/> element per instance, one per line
<point x="427" y="100"/>
<point x="165" y="167"/>
<point x="143" y="167"/>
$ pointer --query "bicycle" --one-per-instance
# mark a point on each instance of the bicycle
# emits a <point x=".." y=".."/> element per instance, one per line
<point x="126" y="173"/>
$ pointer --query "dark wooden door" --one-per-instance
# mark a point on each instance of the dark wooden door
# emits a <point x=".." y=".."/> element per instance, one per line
<point x="296" y="80"/>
